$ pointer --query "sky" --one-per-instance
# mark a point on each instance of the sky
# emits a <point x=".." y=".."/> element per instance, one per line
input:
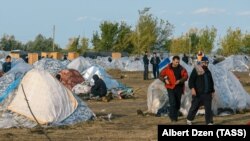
<point x="25" y="19"/>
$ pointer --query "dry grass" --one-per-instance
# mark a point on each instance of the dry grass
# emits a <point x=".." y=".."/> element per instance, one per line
<point x="125" y="124"/>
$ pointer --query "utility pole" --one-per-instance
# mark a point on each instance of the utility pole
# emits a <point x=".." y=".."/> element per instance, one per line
<point x="54" y="28"/>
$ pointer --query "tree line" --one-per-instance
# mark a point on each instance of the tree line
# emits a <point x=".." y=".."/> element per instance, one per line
<point x="149" y="34"/>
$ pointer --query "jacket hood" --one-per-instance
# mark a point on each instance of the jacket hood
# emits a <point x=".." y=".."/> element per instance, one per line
<point x="95" y="77"/>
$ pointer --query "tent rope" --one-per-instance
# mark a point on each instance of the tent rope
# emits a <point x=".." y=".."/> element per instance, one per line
<point x="45" y="133"/>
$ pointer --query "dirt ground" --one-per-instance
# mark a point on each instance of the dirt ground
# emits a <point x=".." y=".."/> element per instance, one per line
<point x="125" y="124"/>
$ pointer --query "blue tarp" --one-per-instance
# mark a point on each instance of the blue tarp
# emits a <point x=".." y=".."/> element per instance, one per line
<point x="10" y="88"/>
<point x="164" y="63"/>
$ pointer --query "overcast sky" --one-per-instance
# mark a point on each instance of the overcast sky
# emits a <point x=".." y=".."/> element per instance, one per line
<point x="27" y="18"/>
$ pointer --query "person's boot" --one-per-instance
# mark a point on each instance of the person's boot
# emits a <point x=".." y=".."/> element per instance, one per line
<point x="189" y="122"/>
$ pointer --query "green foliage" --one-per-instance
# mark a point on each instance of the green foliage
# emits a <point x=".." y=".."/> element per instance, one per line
<point x="79" y="45"/>
<point x="144" y="37"/>
<point x="194" y="40"/>
<point x="164" y="30"/>
<point x="123" y="42"/>
<point x="109" y="35"/>
<point x="232" y="42"/>
<point x="96" y="41"/>
<point x="73" y="44"/>
<point x="84" y="46"/>
<point x="149" y="34"/>
<point x="114" y="37"/>
<point x="180" y="45"/>
<point x="8" y="43"/>
<point x="206" y="39"/>
<point x="41" y="43"/>
<point x="246" y="44"/>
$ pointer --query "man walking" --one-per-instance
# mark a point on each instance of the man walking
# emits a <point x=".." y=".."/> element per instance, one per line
<point x="202" y="89"/>
<point x="155" y="61"/>
<point x="174" y="76"/>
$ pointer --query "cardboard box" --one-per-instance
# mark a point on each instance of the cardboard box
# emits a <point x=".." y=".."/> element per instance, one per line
<point x="72" y="55"/>
<point x="45" y="55"/>
<point x="116" y="55"/>
<point x="15" y="55"/>
<point x="55" y="55"/>
<point x="32" y="58"/>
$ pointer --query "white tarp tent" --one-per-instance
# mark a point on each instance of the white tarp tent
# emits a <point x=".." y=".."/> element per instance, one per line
<point x="80" y="64"/>
<point x="239" y="63"/>
<point x="110" y="83"/>
<point x="50" y="101"/>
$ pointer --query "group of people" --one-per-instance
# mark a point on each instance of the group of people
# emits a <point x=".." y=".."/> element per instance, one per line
<point x="201" y="85"/>
<point x="155" y="61"/>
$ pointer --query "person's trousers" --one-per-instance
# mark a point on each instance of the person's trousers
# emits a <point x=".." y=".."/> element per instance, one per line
<point x="97" y="93"/>
<point x="145" y="72"/>
<point x="175" y="102"/>
<point x="156" y="71"/>
<point x="197" y="101"/>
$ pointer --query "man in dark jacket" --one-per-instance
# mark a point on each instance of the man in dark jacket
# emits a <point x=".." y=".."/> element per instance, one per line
<point x="146" y="62"/>
<point x="155" y="61"/>
<point x="99" y="88"/>
<point x="185" y="58"/>
<point x="202" y="89"/>
<point x="7" y="64"/>
<point x="174" y="77"/>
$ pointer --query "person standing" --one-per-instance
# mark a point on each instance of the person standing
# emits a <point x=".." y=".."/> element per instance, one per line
<point x="146" y="62"/>
<point x="199" y="56"/>
<point x="185" y="58"/>
<point x="174" y="76"/>
<point x="202" y="89"/>
<point x="7" y="64"/>
<point x="155" y="61"/>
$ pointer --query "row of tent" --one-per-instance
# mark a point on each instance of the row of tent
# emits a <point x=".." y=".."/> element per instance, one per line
<point x="54" y="104"/>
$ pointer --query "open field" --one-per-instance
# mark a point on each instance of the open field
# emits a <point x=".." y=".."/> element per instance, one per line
<point x="125" y="124"/>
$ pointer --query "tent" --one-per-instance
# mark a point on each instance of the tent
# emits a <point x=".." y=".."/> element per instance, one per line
<point x="70" y="77"/>
<point x="51" y="65"/>
<point x="109" y="81"/>
<point x="49" y="100"/>
<point x="163" y="64"/>
<point x="80" y="64"/>
<point x="239" y="63"/>
<point x="51" y="103"/>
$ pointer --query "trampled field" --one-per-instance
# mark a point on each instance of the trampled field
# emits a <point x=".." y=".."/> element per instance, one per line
<point x="125" y="124"/>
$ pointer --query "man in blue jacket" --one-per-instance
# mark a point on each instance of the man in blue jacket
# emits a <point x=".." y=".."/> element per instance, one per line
<point x="7" y="64"/>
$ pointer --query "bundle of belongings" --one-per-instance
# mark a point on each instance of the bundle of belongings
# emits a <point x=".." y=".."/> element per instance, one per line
<point x="97" y="75"/>
<point x="69" y="78"/>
